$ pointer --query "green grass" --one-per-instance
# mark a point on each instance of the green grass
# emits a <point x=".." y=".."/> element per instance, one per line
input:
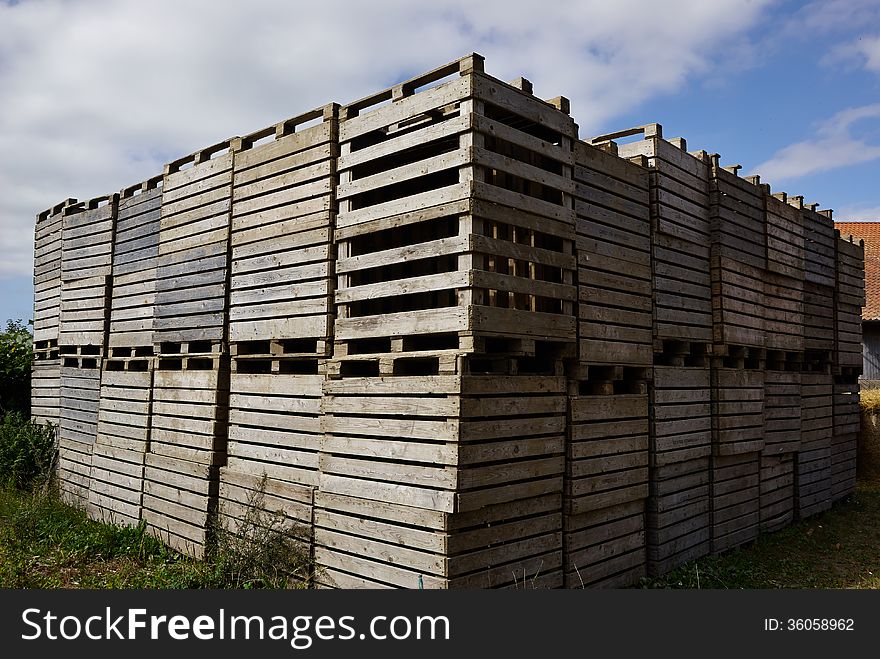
<point x="837" y="549"/>
<point x="47" y="544"/>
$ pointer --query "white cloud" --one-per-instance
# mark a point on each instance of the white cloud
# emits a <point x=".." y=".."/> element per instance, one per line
<point x="98" y="95"/>
<point x="863" y="52"/>
<point x="829" y="16"/>
<point x="857" y="214"/>
<point x="834" y="146"/>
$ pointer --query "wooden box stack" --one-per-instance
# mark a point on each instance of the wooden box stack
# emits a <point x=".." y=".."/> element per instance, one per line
<point x="117" y="473"/>
<point x="848" y="302"/>
<point x="813" y="469"/>
<point x="46" y="371"/>
<point x="189" y="415"/>
<point x="117" y="467"/>
<point x="606" y="482"/>
<point x="739" y="259"/>
<point x="455" y="229"/>
<point x="191" y="286"/>
<point x="844" y="443"/>
<point x="455" y="300"/>
<point x="820" y="244"/>
<point x="274" y="433"/>
<point x="282" y="243"/>
<point x="281" y="315"/>
<point x="135" y="261"/>
<point x="782" y="439"/>
<point x="737" y="442"/>
<point x="607" y="458"/>
<point x="448" y="345"/>
<point x="678" y="513"/>
<point x="78" y="424"/>
<point x="680" y="234"/>
<point x="86" y="263"/>
<point x="784" y="277"/>
<point x="188" y="425"/>
<point x="443" y="481"/>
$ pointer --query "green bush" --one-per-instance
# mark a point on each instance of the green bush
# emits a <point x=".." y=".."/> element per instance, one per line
<point x="16" y="357"/>
<point x="27" y="450"/>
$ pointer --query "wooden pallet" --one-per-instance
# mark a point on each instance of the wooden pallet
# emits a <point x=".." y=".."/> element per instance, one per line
<point x="784" y="229"/>
<point x="274" y="430"/>
<point x="46" y="391"/>
<point x="606" y="484"/>
<point x="844" y="443"/>
<point x="848" y="302"/>
<point x="813" y="469"/>
<point x="77" y="428"/>
<point x="678" y="509"/>
<point x="777" y="491"/>
<point x="737" y="410"/>
<point x="47" y="272"/>
<point x="735" y="499"/>
<point x="117" y="468"/>
<point x="819" y="244"/>
<point x="482" y="456"/>
<point x="455" y="211"/>
<point x="86" y="263"/>
<point x="361" y="543"/>
<point x="283" y="211"/>
<point x="783" y="312"/>
<point x="188" y="440"/>
<point x="135" y="258"/>
<point x="818" y="317"/>
<point x="192" y="270"/>
<point x="737" y="216"/>
<point x="680" y="233"/>
<point x="614" y="259"/>
<point x="606" y="548"/>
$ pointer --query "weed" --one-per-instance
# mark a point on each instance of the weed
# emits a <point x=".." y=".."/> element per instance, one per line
<point x="27" y="451"/>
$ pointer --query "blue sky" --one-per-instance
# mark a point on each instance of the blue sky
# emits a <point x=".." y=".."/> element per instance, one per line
<point x="96" y="96"/>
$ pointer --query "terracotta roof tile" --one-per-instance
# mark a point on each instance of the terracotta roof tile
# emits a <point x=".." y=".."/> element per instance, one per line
<point x="870" y="233"/>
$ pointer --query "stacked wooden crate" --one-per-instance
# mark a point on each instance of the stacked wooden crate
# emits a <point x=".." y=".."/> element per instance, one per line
<point x="813" y="470"/>
<point x="820" y="244"/>
<point x="848" y="302"/>
<point x="455" y="302"/>
<point x="737" y="442"/>
<point x="46" y="372"/>
<point x="739" y="259"/>
<point x="607" y="457"/>
<point x="680" y="233"/>
<point x="739" y="263"/>
<point x="188" y="421"/>
<point x="122" y="442"/>
<point x="281" y="315"/>
<point x="117" y="466"/>
<point x="784" y="277"/>
<point x="442" y="481"/>
<point x="679" y="523"/>
<point x="784" y="340"/>
<point x="782" y="439"/>
<point x="849" y="299"/>
<point x="844" y="443"/>
<point x="86" y="263"/>
<point x="135" y="260"/>
<point x="678" y="519"/>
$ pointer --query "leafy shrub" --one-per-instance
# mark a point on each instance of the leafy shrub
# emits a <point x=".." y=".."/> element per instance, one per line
<point x="27" y="450"/>
<point x="16" y="356"/>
